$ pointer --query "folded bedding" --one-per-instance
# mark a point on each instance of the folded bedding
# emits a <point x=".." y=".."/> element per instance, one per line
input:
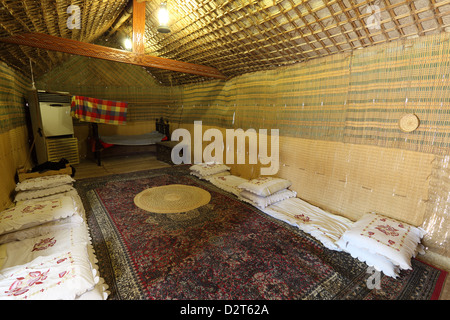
<point x="209" y="170"/>
<point x="45" y="247"/>
<point x="324" y="226"/>
<point x="229" y="183"/>
<point x="264" y="191"/>
<point x="265" y="186"/>
<point x="262" y="202"/>
<point x="40" y="183"/>
<point x="210" y="176"/>
<point x="41" y="229"/>
<point x="53" y="266"/>
<point x="35" y="194"/>
<point x="27" y="215"/>
<point x="18" y="253"/>
<point x="272" y="196"/>
<point x="219" y="175"/>
<point x="45" y="227"/>
<point x="43" y="186"/>
<point x="385" y="243"/>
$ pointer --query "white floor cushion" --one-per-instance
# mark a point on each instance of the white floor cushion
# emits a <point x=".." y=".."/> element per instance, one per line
<point x="26" y="215"/>
<point x="393" y="239"/>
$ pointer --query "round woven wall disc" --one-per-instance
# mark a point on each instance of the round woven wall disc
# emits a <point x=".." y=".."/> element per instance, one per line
<point x="409" y="122"/>
<point x="173" y="198"/>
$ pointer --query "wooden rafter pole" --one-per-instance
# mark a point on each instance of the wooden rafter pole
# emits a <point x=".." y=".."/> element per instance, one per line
<point x="48" y="42"/>
<point x="138" y="26"/>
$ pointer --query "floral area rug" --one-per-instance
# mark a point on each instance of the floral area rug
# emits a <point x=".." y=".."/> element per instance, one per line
<point x="225" y="249"/>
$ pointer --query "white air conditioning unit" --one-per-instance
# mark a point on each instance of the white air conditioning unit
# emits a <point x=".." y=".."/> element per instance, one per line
<point x="52" y="123"/>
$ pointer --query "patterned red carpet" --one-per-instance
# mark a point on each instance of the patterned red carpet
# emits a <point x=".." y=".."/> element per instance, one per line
<point x="223" y="250"/>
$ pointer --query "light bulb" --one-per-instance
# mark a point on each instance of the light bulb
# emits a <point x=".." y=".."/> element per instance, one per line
<point x="163" y="17"/>
<point x="128" y="44"/>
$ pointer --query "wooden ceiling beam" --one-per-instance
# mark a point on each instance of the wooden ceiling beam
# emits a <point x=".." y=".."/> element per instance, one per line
<point x="48" y="42"/>
<point x="138" y="26"/>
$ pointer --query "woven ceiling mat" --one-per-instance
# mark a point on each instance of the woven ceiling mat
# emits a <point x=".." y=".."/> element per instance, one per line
<point x="241" y="36"/>
<point x="174" y="198"/>
<point x="51" y="17"/>
<point x="234" y="36"/>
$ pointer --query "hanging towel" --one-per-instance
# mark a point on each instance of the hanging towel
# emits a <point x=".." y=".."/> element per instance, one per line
<point x="98" y="110"/>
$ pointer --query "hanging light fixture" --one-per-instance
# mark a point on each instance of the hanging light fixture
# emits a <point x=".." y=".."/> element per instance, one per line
<point x="128" y="44"/>
<point x="163" y="17"/>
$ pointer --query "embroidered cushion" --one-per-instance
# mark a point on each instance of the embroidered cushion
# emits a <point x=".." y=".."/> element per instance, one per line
<point x="52" y="266"/>
<point x="395" y="240"/>
<point x="46" y="227"/>
<point x="264" y="186"/>
<point x="228" y="183"/>
<point x="24" y="251"/>
<point x="62" y="277"/>
<point x="44" y="182"/>
<point x="262" y="202"/>
<point x="39" y="230"/>
<point x="35" y="194"/>
<point x="206" y="169"/>
<point x="210" y="176"/>
<point x="27" y="215"/>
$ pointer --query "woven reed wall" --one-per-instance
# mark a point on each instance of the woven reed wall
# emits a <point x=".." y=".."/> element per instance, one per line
<point x="399" y="78"/>
<point x="13" y="131"/>
<point x="306" y="100"/>
<point x="356" y="98"/>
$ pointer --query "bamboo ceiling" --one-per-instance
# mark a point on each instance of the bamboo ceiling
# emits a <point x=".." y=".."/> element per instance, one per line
<point x="233" y="36"/>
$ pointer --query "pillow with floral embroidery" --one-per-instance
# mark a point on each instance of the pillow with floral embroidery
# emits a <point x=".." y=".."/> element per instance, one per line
<point x="262" y="202"/>
<point x="36" y="194"/>
<point x="228" y="183"/>
<point x="265" y="186"/>
<point x="393" y="239"/>
<point x="209" y="168"/>
<point x="52" y="266"/>
<point x="44" y="182"/>
<point x="27" y="215"/>
<point x="210" y="176"/>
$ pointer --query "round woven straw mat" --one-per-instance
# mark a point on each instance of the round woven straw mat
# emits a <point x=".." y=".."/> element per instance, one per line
<point x="172" y="198"/>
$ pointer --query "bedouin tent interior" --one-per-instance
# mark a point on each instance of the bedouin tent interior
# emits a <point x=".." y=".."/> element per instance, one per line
<point x="347" y="101"/>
